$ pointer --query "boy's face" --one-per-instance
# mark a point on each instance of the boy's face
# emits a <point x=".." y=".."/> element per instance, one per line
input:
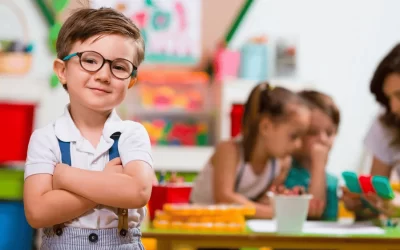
<point x="322" y="130"/>
<point x="100" y="90"/>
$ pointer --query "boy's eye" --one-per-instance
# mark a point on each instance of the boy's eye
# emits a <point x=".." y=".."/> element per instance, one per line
<point x="90" y="61"/>
<point x="120" y="67"/>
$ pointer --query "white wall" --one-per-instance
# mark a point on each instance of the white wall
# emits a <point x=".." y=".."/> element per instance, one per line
<point x="35" y="86"/>
<point x="340" y="44"/>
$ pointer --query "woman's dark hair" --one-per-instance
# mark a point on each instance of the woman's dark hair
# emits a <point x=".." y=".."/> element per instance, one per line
<point x="322" y="102"/>
<point x="264" y="101"/>
<point x="389" y="65"/>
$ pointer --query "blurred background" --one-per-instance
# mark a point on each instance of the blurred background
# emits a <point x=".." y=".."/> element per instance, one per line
<point x="202" y="59"/>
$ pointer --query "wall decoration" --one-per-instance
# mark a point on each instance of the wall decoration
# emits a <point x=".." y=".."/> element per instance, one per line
<point x="171" y="28"/>
<point x="51" y="10"/>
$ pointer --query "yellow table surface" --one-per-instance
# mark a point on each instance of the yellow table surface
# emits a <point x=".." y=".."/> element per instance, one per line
<point x="190" y="240"/>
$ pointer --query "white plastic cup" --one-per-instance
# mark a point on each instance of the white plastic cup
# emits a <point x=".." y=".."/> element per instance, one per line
<point x="290" y="212"/>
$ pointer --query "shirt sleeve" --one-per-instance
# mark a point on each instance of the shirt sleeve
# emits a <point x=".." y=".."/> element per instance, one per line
<point x="377" y="142"/>
<point x="134" y="144"/>
<point x="41" y="159"/>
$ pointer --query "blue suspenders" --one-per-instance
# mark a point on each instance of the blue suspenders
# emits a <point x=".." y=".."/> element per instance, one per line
<point x="113" y="152"/>
<point x="65" y="149"/>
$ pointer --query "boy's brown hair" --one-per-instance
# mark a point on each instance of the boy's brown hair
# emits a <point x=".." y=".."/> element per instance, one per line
<point x="324" y="103"/>
<point x="87" y="22"/>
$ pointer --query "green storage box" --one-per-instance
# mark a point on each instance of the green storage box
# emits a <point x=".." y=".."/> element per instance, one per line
<point x="11" y="183"/>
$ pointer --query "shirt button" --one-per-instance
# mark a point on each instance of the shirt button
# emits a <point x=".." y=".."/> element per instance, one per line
<point x="93" y="237"/>
<point x="59" y="232"/>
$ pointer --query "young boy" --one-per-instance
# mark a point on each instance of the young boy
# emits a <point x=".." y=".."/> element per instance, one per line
<point x="309" y="162"/>
<point x="88" y="174"/>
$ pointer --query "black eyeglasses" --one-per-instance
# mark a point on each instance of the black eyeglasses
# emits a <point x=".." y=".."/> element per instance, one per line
<point x="92" y="61"/>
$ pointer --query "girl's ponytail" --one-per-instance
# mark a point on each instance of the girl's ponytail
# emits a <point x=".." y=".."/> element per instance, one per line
<point x="251" y="118"/>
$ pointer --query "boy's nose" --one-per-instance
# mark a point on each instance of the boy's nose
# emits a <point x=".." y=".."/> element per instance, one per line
<point x="104" y="74"/>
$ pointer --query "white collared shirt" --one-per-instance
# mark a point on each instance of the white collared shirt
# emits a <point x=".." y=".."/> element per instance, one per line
<point x="44" y="153"/>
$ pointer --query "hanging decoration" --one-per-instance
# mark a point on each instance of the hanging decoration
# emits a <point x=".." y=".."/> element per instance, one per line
<point x="171" y="28"/>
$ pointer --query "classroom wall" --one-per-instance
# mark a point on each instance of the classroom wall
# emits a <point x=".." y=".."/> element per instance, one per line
<point x="340" y="44"/>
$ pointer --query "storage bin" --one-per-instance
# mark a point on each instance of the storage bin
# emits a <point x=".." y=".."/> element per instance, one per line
<point x="11" y="184"/>
<point x="174" y="106"/>
<point x="16" y="234"/>
<point x="15" y="130"/>
<point x="163" y="194"/>
<point x="169" y="90"/>
<point x="177" y="131"/>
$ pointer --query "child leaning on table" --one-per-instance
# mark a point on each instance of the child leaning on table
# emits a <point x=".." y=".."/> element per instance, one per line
<point x="241" y="170"/>
<point x="308" y="168"/>
<point x="88" y="174"/>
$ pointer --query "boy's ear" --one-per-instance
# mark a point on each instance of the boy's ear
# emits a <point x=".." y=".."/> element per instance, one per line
<point x="132" y="82"/>
<point x="60" y="68"/>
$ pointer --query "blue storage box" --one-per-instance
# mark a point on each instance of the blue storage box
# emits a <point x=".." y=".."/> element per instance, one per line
<point x="254" y="62"/>
<point x="15" y="232"/>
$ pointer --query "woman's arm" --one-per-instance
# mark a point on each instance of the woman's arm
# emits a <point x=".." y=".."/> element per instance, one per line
<point x="224" y="162"/>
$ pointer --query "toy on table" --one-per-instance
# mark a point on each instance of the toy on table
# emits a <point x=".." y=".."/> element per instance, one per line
<point x="368" y="184"/>
<point x="365" y="184"/>
<point x="206" y="218"/>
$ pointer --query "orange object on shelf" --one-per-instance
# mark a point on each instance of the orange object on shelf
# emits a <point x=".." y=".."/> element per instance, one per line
<point x="182" y="77"/>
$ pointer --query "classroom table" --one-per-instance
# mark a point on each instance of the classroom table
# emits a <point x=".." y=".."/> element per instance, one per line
<point x="180" y="240"/>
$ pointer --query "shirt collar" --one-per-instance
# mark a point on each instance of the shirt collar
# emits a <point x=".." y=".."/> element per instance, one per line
<point x="66" y="130"/>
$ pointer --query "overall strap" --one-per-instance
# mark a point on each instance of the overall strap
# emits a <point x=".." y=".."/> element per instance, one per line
<point x="65" y="149"/>
<point x="113" y="152"/>
<point x="123" y="225"/>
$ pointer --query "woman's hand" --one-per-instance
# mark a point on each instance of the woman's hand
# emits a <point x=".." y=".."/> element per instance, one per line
<point x="352" y="201"/>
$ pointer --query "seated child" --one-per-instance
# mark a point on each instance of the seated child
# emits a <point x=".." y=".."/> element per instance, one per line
<point x="241" y="170"/>
<point x="309" y="161"/>
<point x="88" y="174"/>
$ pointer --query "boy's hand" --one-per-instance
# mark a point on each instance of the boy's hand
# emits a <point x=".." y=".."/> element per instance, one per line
<point x="58" y="175"/>
<point x="319" y="155"/>
<point x="114" y="166"/>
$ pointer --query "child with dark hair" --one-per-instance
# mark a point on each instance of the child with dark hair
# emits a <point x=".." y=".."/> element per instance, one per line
<point x="241" y="170"/>
<point x="308" y="167"/>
